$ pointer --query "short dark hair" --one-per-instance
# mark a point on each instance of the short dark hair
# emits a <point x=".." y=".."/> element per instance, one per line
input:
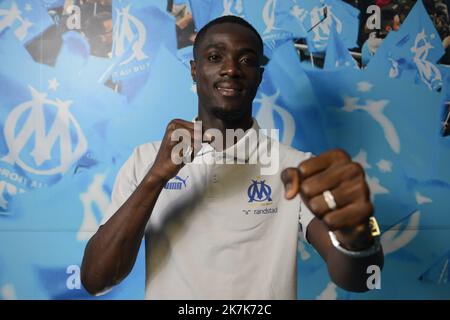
<point x="388" y="14"/>
<point x="226" y="19"/>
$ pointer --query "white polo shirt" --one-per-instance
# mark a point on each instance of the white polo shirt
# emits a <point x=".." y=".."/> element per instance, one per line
<point x="219" y="231"/>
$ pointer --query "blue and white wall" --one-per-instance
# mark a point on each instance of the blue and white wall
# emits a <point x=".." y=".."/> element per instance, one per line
<point x="68" y="126"/>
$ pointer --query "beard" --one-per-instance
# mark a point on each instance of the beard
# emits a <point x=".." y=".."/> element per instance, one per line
<point x="231" y="116"/>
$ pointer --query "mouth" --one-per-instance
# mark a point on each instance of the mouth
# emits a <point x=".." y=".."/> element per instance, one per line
<point x="227" y="89"/>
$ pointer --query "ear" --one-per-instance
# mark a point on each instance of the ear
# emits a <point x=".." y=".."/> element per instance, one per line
<point x="263" y="61"/>
<point x="193" y="70"/>
<point x="261" y="73"/>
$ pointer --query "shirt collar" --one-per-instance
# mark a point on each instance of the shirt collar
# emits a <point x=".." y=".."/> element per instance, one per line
<point x="242" y="150"/>
<point x="245" y="147"/>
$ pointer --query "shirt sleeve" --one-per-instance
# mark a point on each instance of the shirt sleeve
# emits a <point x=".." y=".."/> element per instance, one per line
<point x="124" y="185"/>
<point x="306" y="217"/>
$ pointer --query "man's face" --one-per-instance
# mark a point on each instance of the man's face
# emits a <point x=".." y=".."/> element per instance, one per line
<point x="106" y="36"/>
<point x="227" y="68"/>
<point x="396" y="23"/>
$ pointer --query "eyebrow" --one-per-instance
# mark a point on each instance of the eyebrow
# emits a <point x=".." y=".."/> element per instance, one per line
<point x="221" y="45"/>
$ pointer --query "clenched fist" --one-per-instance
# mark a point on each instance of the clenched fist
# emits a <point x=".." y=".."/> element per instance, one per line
<point x="347" y="210"/>
<point x="178" y="138"/>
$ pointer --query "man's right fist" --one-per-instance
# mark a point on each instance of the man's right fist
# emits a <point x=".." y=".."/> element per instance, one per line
<point x="179" y="145"/>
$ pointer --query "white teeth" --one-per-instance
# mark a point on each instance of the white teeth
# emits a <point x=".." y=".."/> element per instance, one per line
<point x="227" y="89"/>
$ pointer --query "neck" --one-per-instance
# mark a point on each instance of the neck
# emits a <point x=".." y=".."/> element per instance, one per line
<point x="222" y="122"/>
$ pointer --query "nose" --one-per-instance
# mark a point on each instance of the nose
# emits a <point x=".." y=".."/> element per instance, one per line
<point x="230" y="68"/>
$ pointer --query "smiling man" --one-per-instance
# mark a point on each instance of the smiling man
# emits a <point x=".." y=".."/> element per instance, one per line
<point x="216" y="230"/>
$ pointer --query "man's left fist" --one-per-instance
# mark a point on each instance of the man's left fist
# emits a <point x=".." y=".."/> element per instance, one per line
<point x="334" y="188"/>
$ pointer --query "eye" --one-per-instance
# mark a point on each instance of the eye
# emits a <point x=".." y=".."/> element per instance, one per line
<point x="248" y="61"/>
<point x="214" y="57"/>
<point x="245" y="60"/>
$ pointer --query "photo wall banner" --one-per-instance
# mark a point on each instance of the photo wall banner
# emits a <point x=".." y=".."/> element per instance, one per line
<point x="82" y="83"/>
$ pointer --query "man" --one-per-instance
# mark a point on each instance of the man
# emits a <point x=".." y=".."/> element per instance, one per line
<point x="224" y="231"/>
<point x="390" y="21"/>
<point x="98" y="31"/>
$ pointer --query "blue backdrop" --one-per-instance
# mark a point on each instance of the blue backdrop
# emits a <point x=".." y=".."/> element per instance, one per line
<point x="68" y="126"/>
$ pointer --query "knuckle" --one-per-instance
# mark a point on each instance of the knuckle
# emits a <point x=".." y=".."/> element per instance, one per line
<point x="302" y="167"/>
<point x="358" y="188"/>
<point x="358" y="168"/>
<point x="330" y="222"/>
<point x="340" y="154"/>
<point x="315" y="206"/>
<point x="365" y="189"/>
<point x="306" y="188"/>
<point x="365" y="210"/>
